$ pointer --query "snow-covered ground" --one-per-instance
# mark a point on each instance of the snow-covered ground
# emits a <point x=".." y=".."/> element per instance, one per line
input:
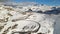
<point x="27" y="19"/>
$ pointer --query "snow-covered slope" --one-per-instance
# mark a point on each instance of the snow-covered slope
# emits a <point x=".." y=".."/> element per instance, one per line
<point x="29" y="19"/>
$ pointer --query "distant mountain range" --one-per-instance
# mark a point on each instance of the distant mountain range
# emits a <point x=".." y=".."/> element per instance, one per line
<point x="43" y="7"/>
<point x="20" y="4"/>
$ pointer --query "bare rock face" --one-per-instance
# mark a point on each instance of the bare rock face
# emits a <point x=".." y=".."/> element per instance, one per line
<point x="28" y="20"/>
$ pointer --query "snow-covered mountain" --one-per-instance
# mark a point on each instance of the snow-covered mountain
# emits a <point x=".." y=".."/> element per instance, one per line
<point x="29" y="18"/>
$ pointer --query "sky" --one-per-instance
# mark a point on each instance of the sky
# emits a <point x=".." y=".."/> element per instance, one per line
<point x="47" y="2"/>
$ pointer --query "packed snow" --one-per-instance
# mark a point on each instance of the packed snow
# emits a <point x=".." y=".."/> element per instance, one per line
<point x="29" y="20"/>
